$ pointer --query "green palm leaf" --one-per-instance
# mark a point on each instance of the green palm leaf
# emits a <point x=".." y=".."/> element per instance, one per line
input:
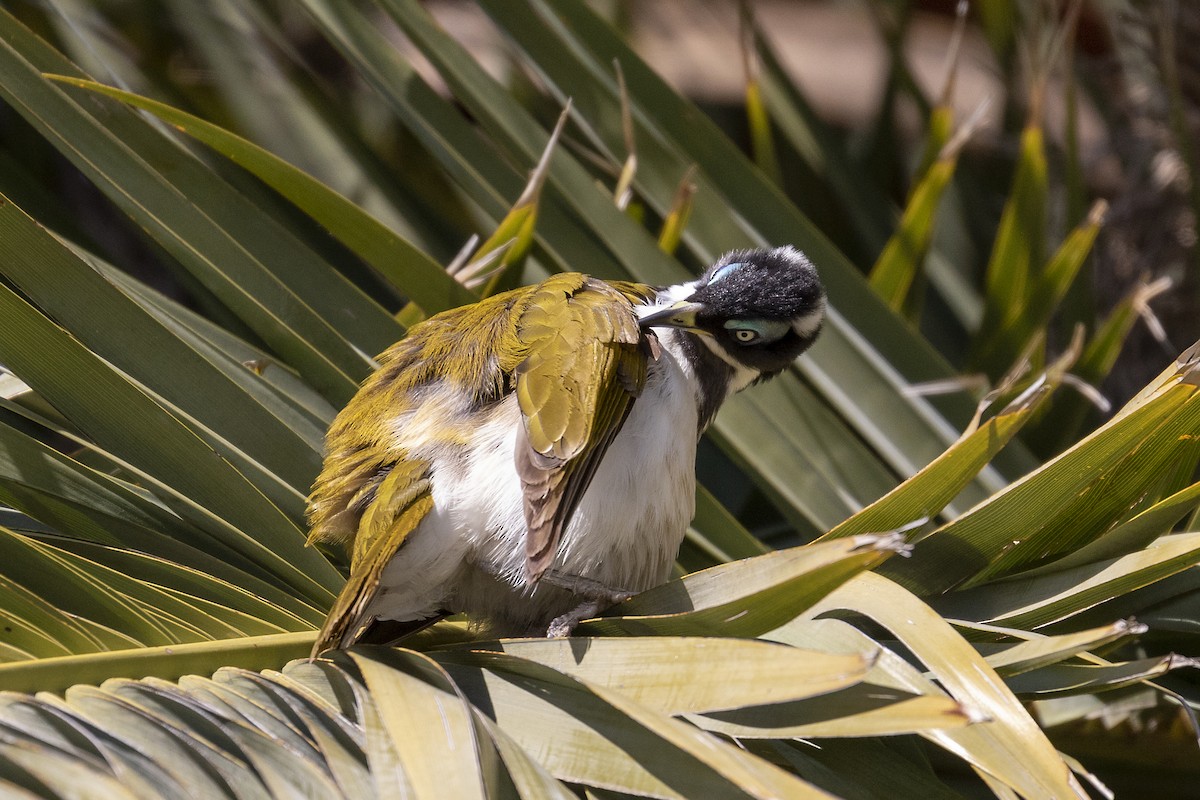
<point x="156" y="596"/>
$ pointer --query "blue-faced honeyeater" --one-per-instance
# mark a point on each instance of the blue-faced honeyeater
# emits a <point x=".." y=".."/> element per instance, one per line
<point x="530" y="459"/>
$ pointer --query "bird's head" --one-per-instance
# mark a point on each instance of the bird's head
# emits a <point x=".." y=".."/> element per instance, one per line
<point x="761" y="308"/>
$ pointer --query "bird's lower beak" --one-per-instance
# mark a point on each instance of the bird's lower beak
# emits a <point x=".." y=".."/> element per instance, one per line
<point x="677" y="315"/>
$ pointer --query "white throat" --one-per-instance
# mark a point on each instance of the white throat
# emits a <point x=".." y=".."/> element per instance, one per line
<point x="743" y="376"/>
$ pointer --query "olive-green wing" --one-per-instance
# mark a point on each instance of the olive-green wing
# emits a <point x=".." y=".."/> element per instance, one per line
<point x="392" y="505"/>
<point x="585" y="361"/>
<point x="372" y="493"/>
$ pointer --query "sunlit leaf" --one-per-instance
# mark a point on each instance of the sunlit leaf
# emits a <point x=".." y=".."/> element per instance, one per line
<point x="1049" y="287"/>
<point x="1010" y="747"/>
<point x="748" y="597"/>
<point x="1092" y="486"/>
<point x="1017" y="251"/>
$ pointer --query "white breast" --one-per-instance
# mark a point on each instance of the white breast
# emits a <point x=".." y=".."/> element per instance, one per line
<point x="468" y="554"/>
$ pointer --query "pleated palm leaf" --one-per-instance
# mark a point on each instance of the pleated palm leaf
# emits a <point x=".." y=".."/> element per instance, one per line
<point x="156" y="595"/>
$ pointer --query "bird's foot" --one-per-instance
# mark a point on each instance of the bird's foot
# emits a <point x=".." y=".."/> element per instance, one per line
<point x="562" y="626"/>
<point x="596" y="597"/>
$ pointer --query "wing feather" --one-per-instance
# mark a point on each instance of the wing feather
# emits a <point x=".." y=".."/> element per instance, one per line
<point x="585" y="363"/>
<point x="400" y="500"/>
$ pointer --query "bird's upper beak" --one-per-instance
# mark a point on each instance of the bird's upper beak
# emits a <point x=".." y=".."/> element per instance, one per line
<point x="677" y="315"/>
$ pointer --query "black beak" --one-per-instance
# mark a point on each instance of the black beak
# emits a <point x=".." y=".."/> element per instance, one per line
<point x="677" y="315"/>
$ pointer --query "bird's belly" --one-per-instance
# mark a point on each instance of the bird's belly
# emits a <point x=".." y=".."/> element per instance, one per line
<point x="629" y="524"/>
<point x="468" y="555"/>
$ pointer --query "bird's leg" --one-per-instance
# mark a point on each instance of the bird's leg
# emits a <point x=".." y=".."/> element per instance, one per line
<point x="587" y="587"/>
<point x="596" y="597"/>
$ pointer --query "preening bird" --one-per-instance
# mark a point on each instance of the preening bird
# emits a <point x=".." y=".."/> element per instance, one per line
<point x="530" y="459"/>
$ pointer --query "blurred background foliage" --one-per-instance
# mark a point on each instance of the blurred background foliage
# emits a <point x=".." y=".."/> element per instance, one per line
<point x="1000" y="200"/>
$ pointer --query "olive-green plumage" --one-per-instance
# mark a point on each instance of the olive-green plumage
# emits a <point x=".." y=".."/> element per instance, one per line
<point x="571" y="350"/>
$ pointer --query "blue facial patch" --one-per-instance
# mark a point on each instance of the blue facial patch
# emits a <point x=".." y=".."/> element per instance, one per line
<point x="764" y="330"/>
<point x="725" y="271"/>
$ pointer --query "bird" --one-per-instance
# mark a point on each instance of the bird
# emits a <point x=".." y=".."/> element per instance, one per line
<point x="528" y="460"/>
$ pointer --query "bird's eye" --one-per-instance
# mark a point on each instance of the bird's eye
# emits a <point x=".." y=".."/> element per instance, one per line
<point x="745" y="335"/>
<point x="757" y="331"/>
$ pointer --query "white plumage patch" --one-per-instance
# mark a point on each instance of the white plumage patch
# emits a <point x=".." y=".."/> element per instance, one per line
<point x="468" y="554"/>
<point x="810" y="323"/>
<point x="666" y="297"/>
<point x="743" y="376"/>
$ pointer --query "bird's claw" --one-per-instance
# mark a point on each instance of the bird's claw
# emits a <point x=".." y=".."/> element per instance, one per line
<point x="563" y="625"/>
